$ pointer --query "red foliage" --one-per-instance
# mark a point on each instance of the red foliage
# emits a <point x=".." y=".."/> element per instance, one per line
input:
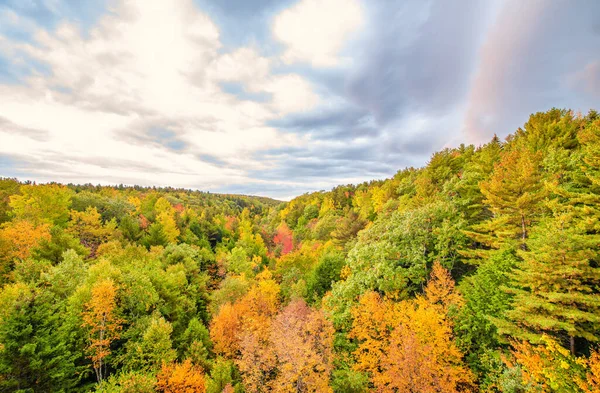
<point x="285" y="238"/>
<point x="230" y="223"/>
<point x="143" y="222"/>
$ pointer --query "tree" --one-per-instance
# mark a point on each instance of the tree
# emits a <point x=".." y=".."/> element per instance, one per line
<point x="284" y="239"/>
<point x="513" y="194"/>
<point x="181" y="378"/>
<point x="103" y="325"/>
<point x="165" y="215"/>
<point x="8" y="187"/>
<point x="440" y="289"/>
<point x="128" y="382"/>
<point x="408" y="346"/>
<point x="547" y="367"/>
<point x="87" y="226"/>
<point x="53" y="249"/>
<point x="47" y="203"/>
<point x="303" y="342"/>
<point x="422" y="356"/>
<point x="373" y="320"/>
<point x="325" y="273"/>
<point x="224" y="330"/>
<point x="394" y="255"/>
<point x="35" y="353"/>
<point x="484" y="302"/>
<point x="223" y="378"/>
<point x="154" y="349"/>
<point x="17" y="239"/>
<point x="196" y="344"/>
<point x="555" y="287"/>
<point x="155" y="236"/>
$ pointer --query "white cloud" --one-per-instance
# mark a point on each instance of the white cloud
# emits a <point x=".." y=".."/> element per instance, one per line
<point x="146" y="62"/>
<point x="315" y="31"/>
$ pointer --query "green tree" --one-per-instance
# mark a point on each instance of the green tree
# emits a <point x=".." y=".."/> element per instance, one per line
<point x="513" y="194"/>
<point x="555" y="287"/>
<point x="35" y="355"/>
<point x="48" y="203"/>
<point x="154" y="349"/>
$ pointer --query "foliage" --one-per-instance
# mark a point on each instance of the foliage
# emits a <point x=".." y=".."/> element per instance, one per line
<point x="476" y="272"/>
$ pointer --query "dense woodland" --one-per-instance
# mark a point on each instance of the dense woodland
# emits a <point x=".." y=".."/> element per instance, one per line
<point x="476" y="273"/>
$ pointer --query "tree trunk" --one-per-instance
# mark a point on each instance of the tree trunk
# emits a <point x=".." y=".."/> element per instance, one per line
<point x="572" y="344"/>
<point x="524" y="231"/>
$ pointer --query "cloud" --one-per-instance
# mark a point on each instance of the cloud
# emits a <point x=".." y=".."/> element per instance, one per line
<point x="143" y="86"/>
<point x="531" y="57"/>
<point x="587" y="80"/>
<point x="315" y="31"/>
<point x="276" y="97"/>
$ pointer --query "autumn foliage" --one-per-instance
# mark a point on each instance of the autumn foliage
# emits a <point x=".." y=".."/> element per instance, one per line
<point x="103" y="324"/>
<point x="181" y="378"/>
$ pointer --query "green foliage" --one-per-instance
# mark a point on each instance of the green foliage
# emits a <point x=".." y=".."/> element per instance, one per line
<point x="395" y="254"/>
<point x="555" y="285"/>
<point x="35" y="353"/>
<point x="154" y="349"/>
<point x="325" y="273"/>
<point x="44" y="203"/>
<point x="195" y="344"/>
<point x="223" y="373"/>
<point x="485" y="301"/>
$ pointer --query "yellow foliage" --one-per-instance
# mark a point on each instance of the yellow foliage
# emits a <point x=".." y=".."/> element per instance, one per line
<point x="17" y="238"/>
<point x="99" y="317"/>
<point x="181" y="378"/>
<point x="591" y="384"/>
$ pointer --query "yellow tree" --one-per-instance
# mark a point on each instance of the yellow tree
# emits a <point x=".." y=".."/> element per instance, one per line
<point x="166" y="218"/>
<point x="373" y="321"/>
<point x="181" y="378"/>
<point x="87" y="226"/>
<point x="422" y="356"/>
<point x="258" y="307"/>
<point x="47" y="203"/>
<point x="408" y="347"/>
<point x="103" y="325"/>
<point x="440" y="289"/>
<point x="548" y="367"/>
<point x="17" y="238"/>
<point x="224" y="330"/>
<point x="252" y="312"/>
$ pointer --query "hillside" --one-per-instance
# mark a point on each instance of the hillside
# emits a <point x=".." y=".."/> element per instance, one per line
<point x="478" y="272"/>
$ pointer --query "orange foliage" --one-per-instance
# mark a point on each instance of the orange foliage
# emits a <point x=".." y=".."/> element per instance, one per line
<point x="592" y="381"/>
<point x="224" y="330"/>
<point x="17" y="238"/>
<point x="408" y="346"/>
<point x="104" y="326"/>
<point x="181" y="378"/>
<point x="373" y="321"/>
<point x="251" y="313"/>
<point x="440" y="288"/>
<point x="303" y="342"/>
<point x="422" y="356"/>
<point x="257" y="358"/>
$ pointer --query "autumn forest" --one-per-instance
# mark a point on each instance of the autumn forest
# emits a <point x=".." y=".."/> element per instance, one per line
<point x="479" y="272"/>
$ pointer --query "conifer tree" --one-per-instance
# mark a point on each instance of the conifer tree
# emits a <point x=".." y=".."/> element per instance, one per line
<point x="555" y="285"/>
<point x="513" y="194"/>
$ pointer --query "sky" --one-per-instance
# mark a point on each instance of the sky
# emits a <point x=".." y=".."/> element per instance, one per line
<point x="277" y="97"/>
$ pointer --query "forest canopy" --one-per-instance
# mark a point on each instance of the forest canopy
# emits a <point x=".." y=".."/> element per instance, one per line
<point x="478" y="272"/>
